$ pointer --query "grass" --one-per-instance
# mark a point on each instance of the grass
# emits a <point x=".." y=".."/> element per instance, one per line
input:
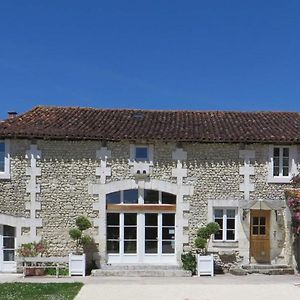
<point x="39" y="291"/>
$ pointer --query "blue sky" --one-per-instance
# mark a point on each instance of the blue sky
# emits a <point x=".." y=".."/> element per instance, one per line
<point x="204" y="55"/>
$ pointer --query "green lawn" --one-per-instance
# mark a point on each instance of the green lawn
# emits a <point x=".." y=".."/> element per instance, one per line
<point x="39" y="291"/>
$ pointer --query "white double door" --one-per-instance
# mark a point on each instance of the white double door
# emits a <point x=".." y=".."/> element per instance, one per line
<point x="7" y="249"/>
<point x="141" y="237"/>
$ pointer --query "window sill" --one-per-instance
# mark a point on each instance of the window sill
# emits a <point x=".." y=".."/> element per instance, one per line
<point x="4" y="175"/>
<point x="225" y="244"/>
<point x="279" y="179"/>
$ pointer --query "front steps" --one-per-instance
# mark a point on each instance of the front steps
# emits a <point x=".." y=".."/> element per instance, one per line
<point x="263" y="269"/>
<point x="132" y="270"/>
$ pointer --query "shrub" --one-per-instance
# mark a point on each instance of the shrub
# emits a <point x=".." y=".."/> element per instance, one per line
<point x="32" y="249"/>
<point x="76" y="234"/>
<point x="189" y="262"/>
<point x="204" y="234"/>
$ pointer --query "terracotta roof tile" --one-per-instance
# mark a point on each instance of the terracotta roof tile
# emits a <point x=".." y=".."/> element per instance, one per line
<point x="119" y="124"/>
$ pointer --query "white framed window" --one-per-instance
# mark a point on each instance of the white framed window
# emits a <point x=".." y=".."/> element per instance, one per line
<point x="141" y="153"/>
<point x="226" y="218"/>
<point x="4" y="159"/>
<point x="282" y="164"/>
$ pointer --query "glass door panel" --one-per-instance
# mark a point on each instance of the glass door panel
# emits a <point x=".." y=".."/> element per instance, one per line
<point x="168" y="233"/>
<point x="130" y="229"/>
<point x="151" y="233"/>
<point x="113" y="233"/>
<point x="8" y="243"/>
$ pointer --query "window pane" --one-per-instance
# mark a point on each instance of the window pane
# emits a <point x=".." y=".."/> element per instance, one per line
<point x="285" y="171"/>
<point x="112" y="233"/>
<point x="168" y="219"/>
<point x="112" y="246"/>
<point x="168" y="198"/>
<point x="2" y="156"/>
<point x="276" y="152"/>
<point x="262" y="221"/>
<point x="130" y="233"/>
<point x="218" y="213"/>
<point x="286" y="152"/>
<point x="113" y="198"/>
<point x="230" y="213"/>
<point x="150" y="197"/>
<point x="168" y="246"/>
<point x="276" y="161"/>
<point x="9" y="242"/>
<point x="151" y="219"/>
<point x="262" y="230"/>
<point x="168" y="233"/>
<point x="255" y="230"/>
<point x="285" y="162"/>
<point x="151" y="233"/>
<point x="219" y="235"/>
<point x="255" y="221"/>
<point x="230" y="223"/>
<point x="129" y="219"/>
<point x="275" y="171"/>
<point x="129" y="246"/>
<point x="150" y="246"/>
<point x="230" y="235"/>
<point x="113" y="219"/>
<point x="9" y="255"/>
<point x="131" y="196"/>
<point x="141" y="153"/>
<point x="8" y="230"/>
<point x="2" y="162"/>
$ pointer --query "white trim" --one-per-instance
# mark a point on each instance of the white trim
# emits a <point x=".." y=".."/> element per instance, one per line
<point x="292" y="164"/>
<point x="6" y="173"/>
<point x="247" y="170"/>
<point x="224" y="225"/>
<point x="150" y="152"/>
<point x="153" y="184"/>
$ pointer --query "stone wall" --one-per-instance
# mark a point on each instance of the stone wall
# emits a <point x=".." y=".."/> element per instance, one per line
<point x="69" y="167"/>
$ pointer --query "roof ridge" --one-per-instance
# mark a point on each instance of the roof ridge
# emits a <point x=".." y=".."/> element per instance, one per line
<point x="161" y="110"/>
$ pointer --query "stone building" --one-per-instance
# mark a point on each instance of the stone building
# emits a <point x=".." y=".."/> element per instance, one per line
<point x="148" y="180"/>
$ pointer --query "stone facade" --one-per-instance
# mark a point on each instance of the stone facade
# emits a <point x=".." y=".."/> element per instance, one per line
<point x="71" y="180"/>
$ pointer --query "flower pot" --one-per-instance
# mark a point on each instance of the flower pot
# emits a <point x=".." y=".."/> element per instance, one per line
<point x="205" y="265"/>
<point x="77" y="264"/>
<point x="34" y="271"/>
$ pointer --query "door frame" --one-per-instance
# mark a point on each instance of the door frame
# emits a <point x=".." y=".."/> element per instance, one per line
<point x="140" y="256"/>
<point x="266" y="237"/>
<point x="6" y="266"/>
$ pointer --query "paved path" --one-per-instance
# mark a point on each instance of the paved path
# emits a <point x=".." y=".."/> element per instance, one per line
<point x="225" y="287"/>
<point x="254" y="287"/>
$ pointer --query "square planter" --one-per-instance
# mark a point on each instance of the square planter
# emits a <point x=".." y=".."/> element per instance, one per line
<point x="77" y="264"/>
<point x="205" y="265"/>
<point x="34" y="271"/>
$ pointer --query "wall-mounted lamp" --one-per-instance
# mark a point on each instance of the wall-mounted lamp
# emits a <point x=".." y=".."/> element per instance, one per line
<point x="245" y="212"/>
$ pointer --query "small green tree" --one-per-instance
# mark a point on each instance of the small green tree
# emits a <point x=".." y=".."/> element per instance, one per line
<point x="204" y="234"/>
<point x="77" y="234"/>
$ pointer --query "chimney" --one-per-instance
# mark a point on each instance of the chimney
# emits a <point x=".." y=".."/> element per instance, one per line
<point x="11" y="114"/>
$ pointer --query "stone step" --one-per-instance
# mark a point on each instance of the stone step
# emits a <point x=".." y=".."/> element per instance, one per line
<point x="149" y="267"/>
<point x="141" y="273"/>
<point x="263" y="269"/>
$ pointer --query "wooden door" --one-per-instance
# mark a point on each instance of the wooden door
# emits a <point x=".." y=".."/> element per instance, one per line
<point x="260" y="235"/>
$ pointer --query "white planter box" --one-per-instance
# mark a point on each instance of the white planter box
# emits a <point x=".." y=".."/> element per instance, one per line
<point x="77" y="264"/>
<point x="205" y="265"/>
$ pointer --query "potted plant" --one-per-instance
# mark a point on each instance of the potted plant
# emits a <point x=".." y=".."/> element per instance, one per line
<point x="205" y="262"/>
<point x="77" y="260"/>
<point x="32" y="250"/>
